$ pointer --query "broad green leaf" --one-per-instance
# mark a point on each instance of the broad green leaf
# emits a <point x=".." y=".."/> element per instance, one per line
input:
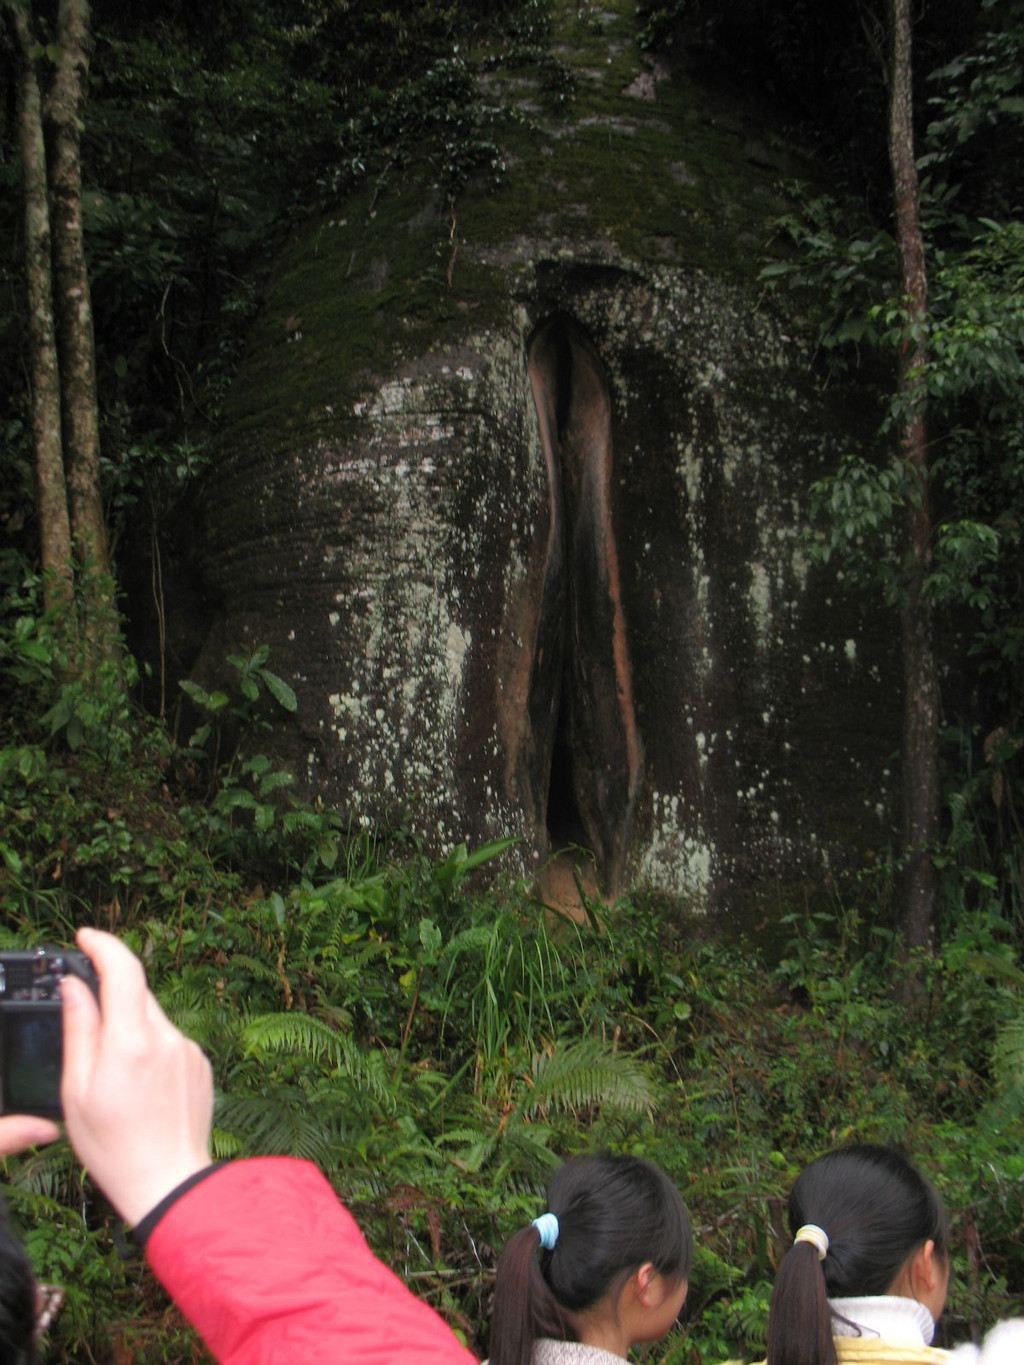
<point x="279" y="690"/>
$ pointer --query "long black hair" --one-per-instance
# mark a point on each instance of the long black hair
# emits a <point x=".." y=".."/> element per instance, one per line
<point x="876" y="1209"/>
<point x="615" y="1213"/>
<point x="18" y="1292"/>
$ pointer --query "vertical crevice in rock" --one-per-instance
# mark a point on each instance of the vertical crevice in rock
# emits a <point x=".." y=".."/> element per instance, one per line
<point x="582" y="750"/>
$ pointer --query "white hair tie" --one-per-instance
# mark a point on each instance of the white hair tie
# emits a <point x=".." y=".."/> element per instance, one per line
<point x="818" y="1237"/>
<point x="547" y="1230"/>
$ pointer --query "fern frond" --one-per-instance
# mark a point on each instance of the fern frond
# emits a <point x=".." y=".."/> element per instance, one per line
<point x="296" y="1035"/>
<point x="224" y="1145"/>
<point x="370" y="1072"/>
<point x="323" y="926"/>
<point x="368" y="951"/>
<point x="308" y="1038"/>
<point x="454" y="1136"/>
<point x="49" y="1172"/>
<point x="531" y="1143"/>
<point x="474" y="1154"/>
<point x="204" y="1021"/>
<point x="587" y="1074"/>
<point x="257" y="967"/>
<point x="280" y="1124"/>
<point x="1008" y="1066"/>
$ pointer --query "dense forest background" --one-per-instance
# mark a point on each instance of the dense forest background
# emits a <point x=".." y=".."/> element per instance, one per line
<point x="430" y="1035"/>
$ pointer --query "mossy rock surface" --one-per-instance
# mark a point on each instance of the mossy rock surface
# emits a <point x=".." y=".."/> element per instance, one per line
<point x="601" y="626"/>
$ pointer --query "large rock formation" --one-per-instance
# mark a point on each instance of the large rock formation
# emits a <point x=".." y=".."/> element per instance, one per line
<point x="516" y="496"/>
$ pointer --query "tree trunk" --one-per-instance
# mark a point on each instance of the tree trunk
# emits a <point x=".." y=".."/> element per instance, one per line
<point x="65" y="110"/>
<point x="51" y="489"/>
<point x="920" y="782"/>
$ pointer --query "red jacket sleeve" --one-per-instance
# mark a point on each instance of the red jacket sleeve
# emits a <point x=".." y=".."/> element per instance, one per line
<point x="269" y="1266"/>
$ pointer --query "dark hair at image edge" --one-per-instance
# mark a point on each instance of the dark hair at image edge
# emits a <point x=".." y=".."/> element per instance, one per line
<point x="17" y="1300"/>
<point x="615" y="1213"/>
<point x="876" y="1209"/>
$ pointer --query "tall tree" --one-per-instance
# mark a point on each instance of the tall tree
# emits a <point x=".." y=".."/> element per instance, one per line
<point x="73" y="307"/>
<point x="920" y="795"/>
<point x="65" y="407"/>
<point x="51" y="487"/>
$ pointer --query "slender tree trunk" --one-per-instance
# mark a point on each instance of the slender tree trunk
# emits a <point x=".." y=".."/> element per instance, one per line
<point x="51" y="490"/>
<point x="920" y="782"/>
<point x="65" y="110"/>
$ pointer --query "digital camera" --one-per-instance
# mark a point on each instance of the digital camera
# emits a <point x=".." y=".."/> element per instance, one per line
<point x="31" y="1043"/>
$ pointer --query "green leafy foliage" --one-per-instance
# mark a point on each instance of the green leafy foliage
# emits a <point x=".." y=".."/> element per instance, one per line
<point x="832" y="252"/>
<point x="971" y="388"/>
<point x="854" y="510"/>
<point x="436" y="1040"/>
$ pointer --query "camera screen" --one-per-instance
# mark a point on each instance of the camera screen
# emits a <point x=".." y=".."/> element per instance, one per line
<point x="32" y="1062"/>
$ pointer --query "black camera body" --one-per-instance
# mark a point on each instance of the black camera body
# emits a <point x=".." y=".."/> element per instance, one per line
<point x="31" y="1041"/>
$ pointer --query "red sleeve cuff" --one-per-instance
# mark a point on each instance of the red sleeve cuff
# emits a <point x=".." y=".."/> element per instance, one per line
<point x="142" y="1229"/>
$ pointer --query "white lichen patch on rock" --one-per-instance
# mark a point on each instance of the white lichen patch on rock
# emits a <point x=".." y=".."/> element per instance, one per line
<point x="760" y="597"/>
<point x="674" y="857"/>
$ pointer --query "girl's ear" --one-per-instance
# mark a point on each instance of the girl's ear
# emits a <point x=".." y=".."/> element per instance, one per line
<point x="642" y="1279"/>
<point x="926" y="1269"/>
<point x="927" y="1278"/>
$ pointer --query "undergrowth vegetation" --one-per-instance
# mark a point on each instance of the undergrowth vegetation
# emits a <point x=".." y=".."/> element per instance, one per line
<point x="435" y="1040"/>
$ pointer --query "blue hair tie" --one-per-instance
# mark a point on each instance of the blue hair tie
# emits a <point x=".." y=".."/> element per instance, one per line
<point x="547" y="1227"/>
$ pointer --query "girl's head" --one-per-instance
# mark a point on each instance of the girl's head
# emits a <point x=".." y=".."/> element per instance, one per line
<point x="885" y="1232"/>
<point x="621" y="1256"/>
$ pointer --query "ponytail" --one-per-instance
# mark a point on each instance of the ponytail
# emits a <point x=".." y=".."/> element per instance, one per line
<point x="799" y="1320"/>
<point x="524" y="1306"/>
<point x="614" y="1213"/>
<point x="858" y="1214"/>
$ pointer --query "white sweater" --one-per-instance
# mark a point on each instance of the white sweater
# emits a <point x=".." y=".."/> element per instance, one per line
<point x="548" y="1352"/>
<point x="1004" y="1345"/>
<point x="898" y="1320"/>
<point x="890" y="1317"/>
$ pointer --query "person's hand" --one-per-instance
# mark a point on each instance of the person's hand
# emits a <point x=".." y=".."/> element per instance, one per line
<point x="20" y="1131"/>
<point x="137" y="1094"/>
